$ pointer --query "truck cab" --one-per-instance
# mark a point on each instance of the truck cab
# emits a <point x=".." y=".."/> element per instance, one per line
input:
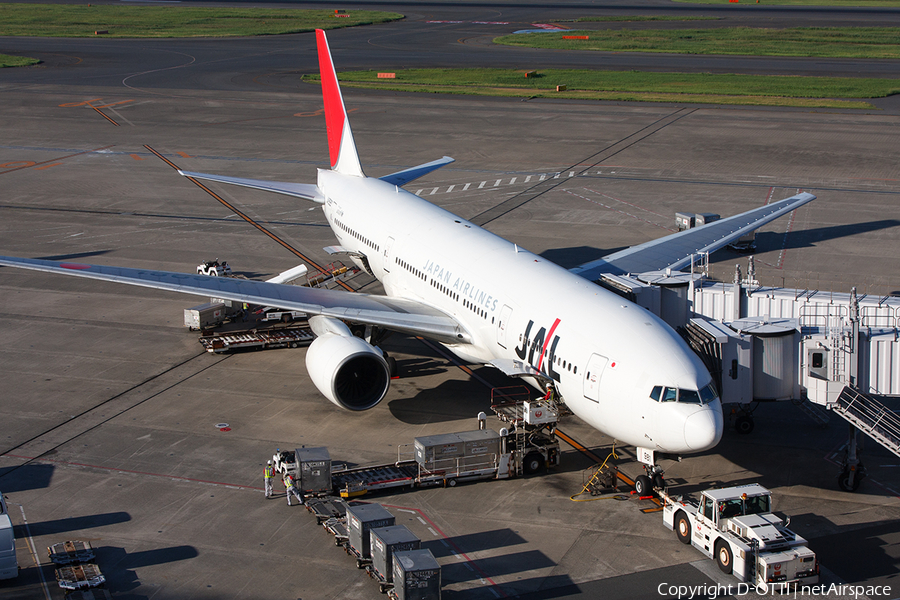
<point x="9" y="566"/>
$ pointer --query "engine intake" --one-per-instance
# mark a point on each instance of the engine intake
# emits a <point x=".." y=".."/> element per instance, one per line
<point x="350" y="372"/>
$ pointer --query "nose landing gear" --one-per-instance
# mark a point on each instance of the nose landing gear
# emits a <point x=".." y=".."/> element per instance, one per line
<point x="645" y="485"/>
<point x="653" y="480"/>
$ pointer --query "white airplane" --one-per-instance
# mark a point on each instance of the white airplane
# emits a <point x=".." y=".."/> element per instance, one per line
<point x="614" y="364"/>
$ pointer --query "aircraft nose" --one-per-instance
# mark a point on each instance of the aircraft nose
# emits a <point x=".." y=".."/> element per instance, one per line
<point x="703" y="429"/>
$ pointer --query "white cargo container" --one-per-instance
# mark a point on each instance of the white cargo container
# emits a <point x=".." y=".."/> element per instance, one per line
<point x="9" y="566"/>
<point x="204" y="316"/>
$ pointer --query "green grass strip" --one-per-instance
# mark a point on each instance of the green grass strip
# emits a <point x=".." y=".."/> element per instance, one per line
<point x="832" y="42"/>
<point x="760" y="90"/>
<point x="81" y="20"/>
<point x="16" y="61"/>
<point x="849" y="3"/>
<point x="632" y="18"/>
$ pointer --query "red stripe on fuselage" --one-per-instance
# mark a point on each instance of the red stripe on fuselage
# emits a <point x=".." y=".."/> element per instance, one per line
<point x="546" y="343"/>
<point x="331" y="94"/>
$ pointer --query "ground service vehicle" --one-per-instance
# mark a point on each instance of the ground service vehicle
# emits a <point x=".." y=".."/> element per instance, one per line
<point x="735" y="527"/>
<point x="439" y="460"/>
<point x="285" y="316"/>
<point x="214" y="268"/>
<point x="9" y="567"/>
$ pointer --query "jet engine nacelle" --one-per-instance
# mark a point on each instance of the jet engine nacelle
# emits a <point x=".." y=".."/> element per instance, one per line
<point x="350" y="372"/>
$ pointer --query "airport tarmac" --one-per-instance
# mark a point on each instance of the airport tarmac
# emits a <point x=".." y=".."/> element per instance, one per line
<point x="119" y="429"/>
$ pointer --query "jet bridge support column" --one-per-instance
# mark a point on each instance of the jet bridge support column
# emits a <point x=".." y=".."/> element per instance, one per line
<point x="852" y="471"/>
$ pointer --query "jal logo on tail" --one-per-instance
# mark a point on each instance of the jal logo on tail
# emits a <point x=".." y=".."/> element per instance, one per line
<point x="542" y="340"/>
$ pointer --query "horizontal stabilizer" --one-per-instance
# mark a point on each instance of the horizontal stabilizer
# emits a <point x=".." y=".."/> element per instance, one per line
<point x="413" y="173"/>
<point x="675" y="251"/>
<point x="307" y="191"/>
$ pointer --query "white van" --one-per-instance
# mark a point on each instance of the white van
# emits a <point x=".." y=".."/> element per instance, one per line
<point x="9" y="567"/>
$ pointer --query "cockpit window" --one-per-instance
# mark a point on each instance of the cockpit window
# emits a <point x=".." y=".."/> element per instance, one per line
<point x="708" y="394"/>
<point x="688" y="396"/>
<point x="668" y="394"/>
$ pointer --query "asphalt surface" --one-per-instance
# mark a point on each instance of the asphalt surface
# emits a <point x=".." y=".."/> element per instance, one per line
<point x="445" y="34"/>
<point x="117" y="428"/>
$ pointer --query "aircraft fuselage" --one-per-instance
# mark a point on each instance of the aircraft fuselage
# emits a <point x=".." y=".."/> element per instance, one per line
<point x="605" y="354"/>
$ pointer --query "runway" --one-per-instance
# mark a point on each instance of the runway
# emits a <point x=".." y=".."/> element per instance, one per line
<point x="110" y="425"/>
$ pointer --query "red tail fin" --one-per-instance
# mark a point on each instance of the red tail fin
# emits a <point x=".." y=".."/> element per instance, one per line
<point x="341" y="147"/>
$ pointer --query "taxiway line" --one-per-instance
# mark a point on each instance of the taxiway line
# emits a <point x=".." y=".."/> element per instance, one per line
<point x="424" y="518"/>
<point x="104" y="115"/>
<point x="541" y="188"/>
<point x="239" y="213"/>
<point x="68" y="437"/>
<point x="448" y="541"/>
<point x="44" y="162"/>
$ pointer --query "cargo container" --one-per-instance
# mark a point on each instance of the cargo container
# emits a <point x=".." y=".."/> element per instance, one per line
<point x="204" y="316"/>
<point x="417" y="576"/>
<point x="384" y="542"/>
<point x="9" y="566"/>
<point x="464" y="450"/>
<point x="361" y="520"/>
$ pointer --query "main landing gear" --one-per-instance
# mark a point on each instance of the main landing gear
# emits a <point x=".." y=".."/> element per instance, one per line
<point x="742" y="418"/>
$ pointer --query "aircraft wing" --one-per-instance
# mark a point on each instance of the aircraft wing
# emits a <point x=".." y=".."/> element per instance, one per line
<point x="674" y="251"/>
<point x="396" y="314"/>
<point x="407" y="175"/>
<point x="307" y="191"/>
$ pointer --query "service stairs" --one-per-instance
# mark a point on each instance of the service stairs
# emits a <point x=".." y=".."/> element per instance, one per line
<point x="869" y="416"/>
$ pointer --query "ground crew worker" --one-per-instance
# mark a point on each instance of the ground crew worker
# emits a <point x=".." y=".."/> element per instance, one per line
<point x="290" y="488"/>
<point x="269" y="476"/>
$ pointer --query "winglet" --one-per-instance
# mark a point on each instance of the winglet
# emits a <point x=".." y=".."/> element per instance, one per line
<point x="341" y="147"/>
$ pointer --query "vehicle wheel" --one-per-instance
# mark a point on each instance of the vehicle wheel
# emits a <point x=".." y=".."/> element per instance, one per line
<point x="294" y="344"/>
<point x="658" y="481"/>
<point x="683" y="528"/>
<point x="744" y="424"/>
<point x="724" y="558"/>
<point x="451" y="483"/>
<point x="642" y="486"/>
<point x="533" y="464"/>
<point x="844" y="482"/>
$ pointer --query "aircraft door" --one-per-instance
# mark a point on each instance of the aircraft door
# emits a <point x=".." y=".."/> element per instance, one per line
<point x="593" y="373"/>
<point x="386" y="263"/>
<point x="503" y="325"/>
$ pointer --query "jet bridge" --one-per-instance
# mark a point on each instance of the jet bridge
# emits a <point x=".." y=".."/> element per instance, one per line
<point x="828" y="353"/>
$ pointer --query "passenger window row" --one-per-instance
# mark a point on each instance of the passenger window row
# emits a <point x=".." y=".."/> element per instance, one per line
<point x="358" y="236"/>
